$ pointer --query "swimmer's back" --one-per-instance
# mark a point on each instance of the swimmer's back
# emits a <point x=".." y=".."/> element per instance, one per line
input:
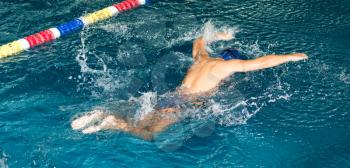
<point x="203" y="76"/>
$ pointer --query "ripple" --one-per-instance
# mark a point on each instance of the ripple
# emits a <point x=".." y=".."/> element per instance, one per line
<point x="149" y="49"/>
<point x="323" y="156"/>
<point x="317" y="101"/>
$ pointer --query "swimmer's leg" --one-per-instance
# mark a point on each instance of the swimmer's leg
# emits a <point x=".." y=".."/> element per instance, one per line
<point x="161" y="125"/>
<point x="112" y="122"/>
<point x="152" y="124"/>
<point x="157" y="121"/>
<point x="86" y="120"/>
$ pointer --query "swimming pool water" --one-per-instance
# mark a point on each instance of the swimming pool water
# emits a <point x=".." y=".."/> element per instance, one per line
<point x="295" y="115"/>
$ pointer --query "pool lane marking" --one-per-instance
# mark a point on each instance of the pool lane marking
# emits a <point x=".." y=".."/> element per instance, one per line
<point x="45" y="36"/>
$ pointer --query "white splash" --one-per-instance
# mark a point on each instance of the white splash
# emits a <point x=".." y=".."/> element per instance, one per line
<point x="82" y="59"/>
<point x="3" y="161"/>
<point x="208" y="32"/>
<point x="103" y="78"/>
<point x="235" y="114"/>
<point x="252" y="49"/>
<point x="187" y="36"/>
<point x="148" y="101"/>
<point x="345" y="77"/>
<point x="108" y="83"/>
<point x="116" y="28"/>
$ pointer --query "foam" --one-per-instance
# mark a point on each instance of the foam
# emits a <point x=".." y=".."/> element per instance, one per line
<point x="3" y="161"/>
<point x="148" y="101"/>
<point x="81" y="58"/>
<point x="118" y="28"/>
<point x="345" y="77"/>
<point x="209" y="32"/>
<point x="95" y="79"/>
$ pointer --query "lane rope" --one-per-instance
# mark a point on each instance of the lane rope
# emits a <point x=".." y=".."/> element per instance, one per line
<point x="45" y="36"/>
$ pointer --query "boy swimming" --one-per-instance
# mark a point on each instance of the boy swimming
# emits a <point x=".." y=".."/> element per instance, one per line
<point x="203" y="77"/>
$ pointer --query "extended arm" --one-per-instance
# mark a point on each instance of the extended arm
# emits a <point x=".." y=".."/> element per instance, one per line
<point x="259" y="63"/>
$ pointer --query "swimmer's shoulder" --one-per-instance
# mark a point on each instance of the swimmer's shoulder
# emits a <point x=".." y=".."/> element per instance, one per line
<point x="224" y="69"/>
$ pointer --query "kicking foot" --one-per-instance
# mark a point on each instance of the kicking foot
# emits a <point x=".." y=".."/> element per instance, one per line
<point x="91" y="129"/>
<point x="88" y="119"/>
<point x="109" y="123"/>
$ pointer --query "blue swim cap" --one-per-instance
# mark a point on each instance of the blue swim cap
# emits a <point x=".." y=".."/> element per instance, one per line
<point x="230" y="54"/>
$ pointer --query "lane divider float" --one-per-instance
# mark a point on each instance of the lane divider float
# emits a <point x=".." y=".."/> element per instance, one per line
<point x="67" y="28"/>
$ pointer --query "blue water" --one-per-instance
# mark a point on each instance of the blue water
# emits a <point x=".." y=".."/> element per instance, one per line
<point x="295" y="115"/>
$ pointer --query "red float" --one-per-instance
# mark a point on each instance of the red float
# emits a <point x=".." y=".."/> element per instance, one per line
<point x="33" y="40"/>
<point x="127" y="5"/>
<point x="40" y="38"/>
<point x="47" y="34"/>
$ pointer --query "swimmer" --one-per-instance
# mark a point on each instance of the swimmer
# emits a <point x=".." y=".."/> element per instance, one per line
<point x="203" y="77"/>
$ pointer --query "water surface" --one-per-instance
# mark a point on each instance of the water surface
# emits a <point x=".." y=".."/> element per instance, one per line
<point x="295" y="115"/>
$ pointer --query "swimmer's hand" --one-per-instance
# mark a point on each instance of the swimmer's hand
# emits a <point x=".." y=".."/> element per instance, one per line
<point x="224" y="36"/>
<point x="297" y="57"/>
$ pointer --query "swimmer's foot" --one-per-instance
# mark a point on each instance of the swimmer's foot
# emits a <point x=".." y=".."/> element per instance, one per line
<point x="109" y="123"/>
<point x="84" y="121"/>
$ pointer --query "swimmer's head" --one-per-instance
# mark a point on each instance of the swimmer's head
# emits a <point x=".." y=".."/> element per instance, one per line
<point x="230" y="54"/>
